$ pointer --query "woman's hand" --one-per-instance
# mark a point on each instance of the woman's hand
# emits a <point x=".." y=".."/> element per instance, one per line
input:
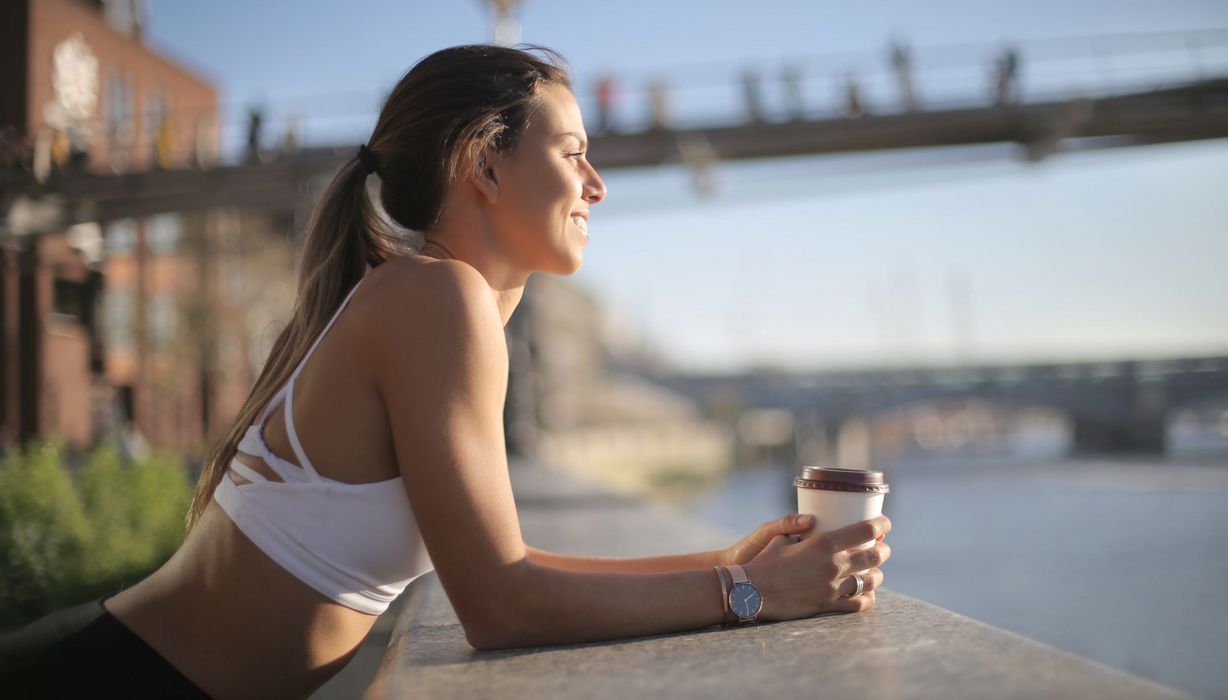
<point x="752" y="544"/>
<point x="815" y="575"/>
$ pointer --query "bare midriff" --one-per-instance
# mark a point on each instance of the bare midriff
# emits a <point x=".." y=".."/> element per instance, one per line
<point x="236" y="623"/>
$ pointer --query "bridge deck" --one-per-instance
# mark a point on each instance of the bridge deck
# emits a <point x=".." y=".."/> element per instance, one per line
<point x="1186" y="112"/>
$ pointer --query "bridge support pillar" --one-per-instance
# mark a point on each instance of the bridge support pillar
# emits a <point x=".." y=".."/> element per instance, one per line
<point x="835" y="442"/>
<point x="816" y="441"/>
<point x="1119" y="438"/>
<point x="1142" y="429"/>
<point x="854" y="445"/>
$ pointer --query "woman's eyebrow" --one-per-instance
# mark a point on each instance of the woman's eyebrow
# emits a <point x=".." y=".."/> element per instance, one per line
<point x="576" y="136"/>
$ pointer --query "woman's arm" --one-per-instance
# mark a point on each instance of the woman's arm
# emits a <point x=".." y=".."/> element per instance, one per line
<point x="799" y="580"/>
<point x="740" y="553"/>
<point x="627" y="565"/>
<point x="439" y="361"/>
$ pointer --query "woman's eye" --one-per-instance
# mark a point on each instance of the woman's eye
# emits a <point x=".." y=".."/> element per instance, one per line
<point x="577" y="153"/>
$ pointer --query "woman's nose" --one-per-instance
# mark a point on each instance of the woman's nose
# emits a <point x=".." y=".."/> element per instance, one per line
<point x="594" y="189"/>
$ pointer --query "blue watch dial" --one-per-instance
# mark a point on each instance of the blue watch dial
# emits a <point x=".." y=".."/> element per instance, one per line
<point x="745" y="600"/>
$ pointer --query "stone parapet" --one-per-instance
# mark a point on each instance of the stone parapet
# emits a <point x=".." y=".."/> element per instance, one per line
<point x="902" y="648"/>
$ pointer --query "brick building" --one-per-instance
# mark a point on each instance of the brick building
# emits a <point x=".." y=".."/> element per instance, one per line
<point x="82" y="88"/>
<point x="139" y="328"/>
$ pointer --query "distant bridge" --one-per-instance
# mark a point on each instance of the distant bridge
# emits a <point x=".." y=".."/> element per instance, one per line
<point x="1114" y="406"/>
<point x="1144" y="89"/>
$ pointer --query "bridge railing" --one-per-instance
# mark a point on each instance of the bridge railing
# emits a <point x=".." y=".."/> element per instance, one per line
<point x="895" y="79"/>
<point x="938" y="78"/>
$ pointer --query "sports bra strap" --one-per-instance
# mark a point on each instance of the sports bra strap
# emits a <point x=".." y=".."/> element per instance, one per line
<point x="253" y="444"/>
<point x="293" y="434"/>
<point x="286" y="395"/>
<point x="247" y="472"/>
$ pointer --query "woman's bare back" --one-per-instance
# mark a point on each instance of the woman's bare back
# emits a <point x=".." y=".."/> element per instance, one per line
<point x="222" y="612"/>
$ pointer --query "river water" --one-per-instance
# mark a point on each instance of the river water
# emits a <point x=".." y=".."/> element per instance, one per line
<point x="1121" y="561"/>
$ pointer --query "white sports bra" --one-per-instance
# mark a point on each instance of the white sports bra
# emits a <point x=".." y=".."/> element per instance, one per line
<point x="357" y="544"/>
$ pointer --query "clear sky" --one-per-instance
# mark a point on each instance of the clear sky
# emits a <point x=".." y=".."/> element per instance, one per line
<point x="917" y="257"/>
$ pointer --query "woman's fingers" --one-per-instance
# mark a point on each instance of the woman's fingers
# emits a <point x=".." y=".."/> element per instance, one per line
<point x="775" y="543"/>
<point x="859" y="533"/>
<point x="871" y="580"/>
<point x="794" y="522"/>
<point x="861" y="603"/>
<point x="829" y="560"/>
<point x="797" y="522"/>
<point x="862" y="559"/>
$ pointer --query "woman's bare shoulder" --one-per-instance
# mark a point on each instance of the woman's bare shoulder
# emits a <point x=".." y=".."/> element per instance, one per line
<point x="430" y="291"/>
<point x="440" y="309"/>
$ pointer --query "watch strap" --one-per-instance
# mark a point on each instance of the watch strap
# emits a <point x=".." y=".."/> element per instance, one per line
<point x="728" y="618"/>
<point x="738" y="574"/>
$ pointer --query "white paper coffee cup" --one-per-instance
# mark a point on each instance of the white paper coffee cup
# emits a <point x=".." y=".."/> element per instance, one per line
<point x="839" y="497"/>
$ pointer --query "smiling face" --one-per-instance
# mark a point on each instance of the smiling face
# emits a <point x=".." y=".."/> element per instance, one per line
<point x="546" y="187"/>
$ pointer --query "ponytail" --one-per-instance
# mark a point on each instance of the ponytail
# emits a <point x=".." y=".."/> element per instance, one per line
<point x="344" y="238"/>
<point x="447" y="107"/>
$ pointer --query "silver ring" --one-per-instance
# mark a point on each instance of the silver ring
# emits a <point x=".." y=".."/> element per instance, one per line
<point x="861" y="584"/>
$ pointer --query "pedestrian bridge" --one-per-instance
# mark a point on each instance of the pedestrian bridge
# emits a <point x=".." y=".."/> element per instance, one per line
<point x="1046" y="97"/>
<point x="1114" y="406"/>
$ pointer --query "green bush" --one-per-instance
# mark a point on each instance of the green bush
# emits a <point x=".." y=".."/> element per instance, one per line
<point x="68" y="535"/>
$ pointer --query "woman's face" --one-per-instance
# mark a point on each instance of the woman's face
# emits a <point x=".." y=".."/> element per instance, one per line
<point x="546" y="187"/>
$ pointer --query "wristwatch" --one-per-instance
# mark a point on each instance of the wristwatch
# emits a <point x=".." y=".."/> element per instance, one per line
<point x="745" y="600"/>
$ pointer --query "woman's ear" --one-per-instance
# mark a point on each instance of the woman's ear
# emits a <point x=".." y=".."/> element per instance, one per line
<point x="484" y="175"/>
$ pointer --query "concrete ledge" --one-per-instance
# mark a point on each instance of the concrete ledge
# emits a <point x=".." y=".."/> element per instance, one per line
<point x="903" y="648"/>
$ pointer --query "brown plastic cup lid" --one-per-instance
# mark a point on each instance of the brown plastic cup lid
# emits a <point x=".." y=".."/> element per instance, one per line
<point x="833" y="479"/>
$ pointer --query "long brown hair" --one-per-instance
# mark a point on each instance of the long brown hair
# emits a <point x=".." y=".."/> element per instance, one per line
<point x="442" y="112"/>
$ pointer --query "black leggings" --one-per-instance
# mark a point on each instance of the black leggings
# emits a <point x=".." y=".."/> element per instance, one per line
<point x="84" y="651"/>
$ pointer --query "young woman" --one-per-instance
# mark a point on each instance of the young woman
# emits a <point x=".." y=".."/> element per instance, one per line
<point x="373" y="437"/>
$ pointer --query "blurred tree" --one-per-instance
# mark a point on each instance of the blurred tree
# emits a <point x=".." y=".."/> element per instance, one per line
<point x="67" y="535"/>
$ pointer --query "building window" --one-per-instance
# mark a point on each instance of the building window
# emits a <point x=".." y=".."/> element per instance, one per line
<point x="163" y="233"/>
<point x="118" y="109"/>
<point x="119" y="311"/>
<point x="124" y="16"/>
<point x="120" y="237"/>
<point x="159" y="127"/>
<point x="161" y="321"/>
<point x="68" y="300"/>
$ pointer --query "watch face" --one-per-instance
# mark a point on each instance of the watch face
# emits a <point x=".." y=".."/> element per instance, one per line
<point x="745" y="600"/>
